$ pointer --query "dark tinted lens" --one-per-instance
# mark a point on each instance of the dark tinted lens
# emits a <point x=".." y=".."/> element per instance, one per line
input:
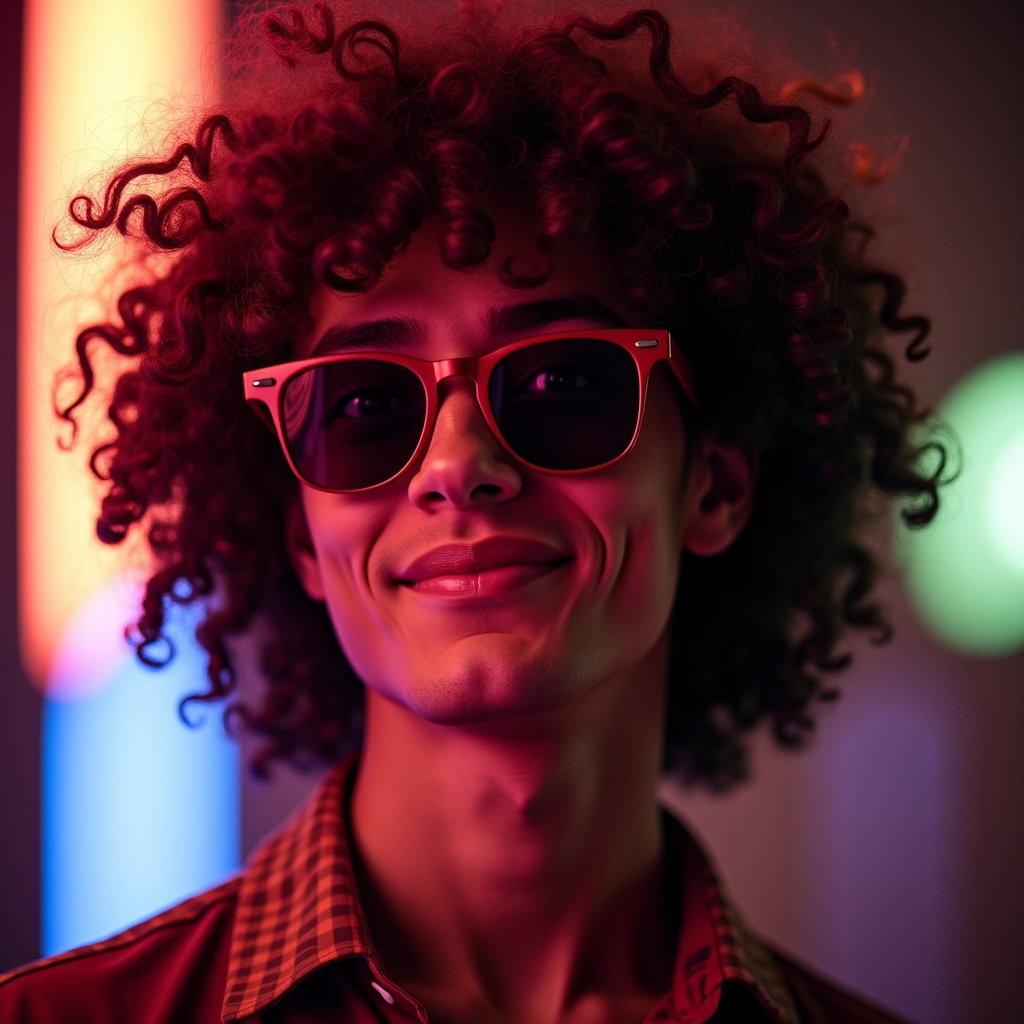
<point x="353" y="424"/>
<point x="568" y="404"/>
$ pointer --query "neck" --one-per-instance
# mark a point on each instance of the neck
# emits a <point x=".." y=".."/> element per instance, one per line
<point x="514" y="868"/>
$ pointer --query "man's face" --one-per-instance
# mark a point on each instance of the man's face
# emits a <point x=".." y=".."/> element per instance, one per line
<point x="586" y="566"/>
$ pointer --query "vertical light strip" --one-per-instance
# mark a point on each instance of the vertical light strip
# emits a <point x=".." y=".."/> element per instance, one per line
<point x="138" y="811"/>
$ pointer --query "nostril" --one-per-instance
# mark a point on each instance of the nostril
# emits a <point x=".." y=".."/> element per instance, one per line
<point x="486" y="491"/>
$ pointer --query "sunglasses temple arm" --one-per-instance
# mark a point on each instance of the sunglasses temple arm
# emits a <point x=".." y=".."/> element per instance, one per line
<point x="684" y="374"/>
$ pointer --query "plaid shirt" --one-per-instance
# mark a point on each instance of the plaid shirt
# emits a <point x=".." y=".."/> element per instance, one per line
<point x="287" y="941"/>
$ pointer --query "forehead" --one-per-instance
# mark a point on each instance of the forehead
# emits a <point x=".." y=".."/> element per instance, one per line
<point x="455" y="313"/>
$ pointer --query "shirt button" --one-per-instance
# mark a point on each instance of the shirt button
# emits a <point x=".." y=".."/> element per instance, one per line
<point x="384" y="993"/>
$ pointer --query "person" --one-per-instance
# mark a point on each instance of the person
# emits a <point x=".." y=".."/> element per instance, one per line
<point x="576" y="370"/>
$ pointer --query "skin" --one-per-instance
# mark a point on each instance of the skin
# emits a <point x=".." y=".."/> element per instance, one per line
<point x="505" y="814"/>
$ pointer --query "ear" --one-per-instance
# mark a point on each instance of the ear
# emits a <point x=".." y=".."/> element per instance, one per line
<point x="299" y="542"/>
<point x="723" y="479"/>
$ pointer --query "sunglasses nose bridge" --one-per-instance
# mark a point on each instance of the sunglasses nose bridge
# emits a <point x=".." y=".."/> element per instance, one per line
<point x="465" y="367"/>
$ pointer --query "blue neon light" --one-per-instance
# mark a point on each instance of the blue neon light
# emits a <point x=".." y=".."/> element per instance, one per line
<point x="139" y="811"/>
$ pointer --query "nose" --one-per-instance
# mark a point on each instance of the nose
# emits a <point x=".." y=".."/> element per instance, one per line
<point x="464" y="465"/>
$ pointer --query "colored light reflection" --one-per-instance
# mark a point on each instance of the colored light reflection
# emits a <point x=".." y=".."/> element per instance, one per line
<point x="965" y="572"/>
<point x="139" y="811"/>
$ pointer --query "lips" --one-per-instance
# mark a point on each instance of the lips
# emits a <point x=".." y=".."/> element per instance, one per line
<point x="483" y="567"/>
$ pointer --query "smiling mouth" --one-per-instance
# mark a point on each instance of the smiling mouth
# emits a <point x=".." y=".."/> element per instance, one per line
<point x="485" y="568"/>
<point x="487" y="582"/>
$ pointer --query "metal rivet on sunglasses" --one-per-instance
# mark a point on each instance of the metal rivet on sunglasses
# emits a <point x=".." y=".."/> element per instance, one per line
<point x="646" y="343"/>
<point x="269" y="382"/>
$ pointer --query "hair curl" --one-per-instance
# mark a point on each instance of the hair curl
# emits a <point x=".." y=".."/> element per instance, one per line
<point x="727" y="234"/>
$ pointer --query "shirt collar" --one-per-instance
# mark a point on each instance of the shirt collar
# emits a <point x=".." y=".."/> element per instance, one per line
<point x="298" y="910"/>
<point x="714" y="945"/>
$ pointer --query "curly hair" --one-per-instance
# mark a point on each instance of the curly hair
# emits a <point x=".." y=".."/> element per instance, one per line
<point x="325" y="158"/>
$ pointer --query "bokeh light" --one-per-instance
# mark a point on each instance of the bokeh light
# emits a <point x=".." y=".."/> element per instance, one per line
<point x="965" y="572"/>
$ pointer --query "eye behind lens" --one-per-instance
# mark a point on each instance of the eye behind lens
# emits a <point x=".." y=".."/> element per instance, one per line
<point x="585" y="419"/>
<point x="353" y="424"/>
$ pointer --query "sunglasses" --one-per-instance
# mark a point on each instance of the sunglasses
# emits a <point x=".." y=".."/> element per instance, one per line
<point x="569" y="402"/>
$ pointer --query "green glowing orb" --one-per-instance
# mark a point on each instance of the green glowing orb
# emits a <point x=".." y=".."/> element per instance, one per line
<point x="965" y="572"/>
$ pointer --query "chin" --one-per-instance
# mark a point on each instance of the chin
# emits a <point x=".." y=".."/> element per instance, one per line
<point x="487" y="690"/>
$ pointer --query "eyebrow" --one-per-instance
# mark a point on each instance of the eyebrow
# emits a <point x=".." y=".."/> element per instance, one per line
<point x="395" y="333"/>
<point x="376" y="335"/>
<point x="528" y="316"/>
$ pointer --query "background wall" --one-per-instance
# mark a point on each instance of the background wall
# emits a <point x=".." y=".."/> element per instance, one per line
<point x="19" y="721"/>
<point x="890" y="854"/>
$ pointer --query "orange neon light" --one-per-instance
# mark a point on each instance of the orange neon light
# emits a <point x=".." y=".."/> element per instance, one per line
<point x="82" y="63"/>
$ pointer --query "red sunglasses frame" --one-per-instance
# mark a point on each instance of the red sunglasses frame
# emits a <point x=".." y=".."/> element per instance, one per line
<point x="264" y="388"/>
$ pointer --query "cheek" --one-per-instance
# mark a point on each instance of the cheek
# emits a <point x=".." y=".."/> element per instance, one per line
<point x="658" y="460"/>
<point x="645" y="547"/>
<point x="344" y="533"/>
<point x="655" y="510"/>
<point x="638" y="511"/>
